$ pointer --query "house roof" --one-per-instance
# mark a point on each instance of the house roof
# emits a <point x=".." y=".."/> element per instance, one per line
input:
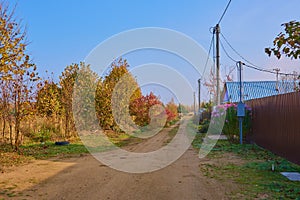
<point x="256" y="89"/>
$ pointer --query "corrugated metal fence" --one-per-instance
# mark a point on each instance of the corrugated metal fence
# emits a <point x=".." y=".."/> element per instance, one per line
<point x="276" y="124"/>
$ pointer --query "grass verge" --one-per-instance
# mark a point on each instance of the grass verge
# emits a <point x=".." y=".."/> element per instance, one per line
<point x="31" y="151"/>
<point x="254" y="173"/>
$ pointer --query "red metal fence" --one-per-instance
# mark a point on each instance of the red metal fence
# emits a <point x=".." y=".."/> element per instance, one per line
<point x="276" y="124"/>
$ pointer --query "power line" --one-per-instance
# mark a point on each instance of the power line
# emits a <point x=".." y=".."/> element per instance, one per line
<point x="222" y="46"/>
<point x="224" y="11"/>
<point x="250" y="65"/>
<point x="268" y="71"/>
<point x="235" y="51"/>
<point x="217" y="32"/>
<point x="214" y="53"/>
<point x="211" y="44"/>
<point x="259" y="69"/>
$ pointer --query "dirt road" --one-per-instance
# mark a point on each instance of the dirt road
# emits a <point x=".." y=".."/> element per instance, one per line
<point x="83" y="177"/>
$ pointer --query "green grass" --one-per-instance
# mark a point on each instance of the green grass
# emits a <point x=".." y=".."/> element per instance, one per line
<point x="9" y="192"/>
<point x="254" y="173"/>
<point x="28" y="152"/>
<point x="198" y="140"/>
<point x="49" y="149"/>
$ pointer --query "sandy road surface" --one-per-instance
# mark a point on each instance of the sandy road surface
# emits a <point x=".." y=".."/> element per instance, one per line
<point x="83" y="177"/>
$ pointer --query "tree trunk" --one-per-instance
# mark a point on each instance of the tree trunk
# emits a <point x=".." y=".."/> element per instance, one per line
<point x="17" y="119"/>
<point x="17" y="135"/>
<point x="10" y="135"/>
<point x="3" y="129"/>
<point x="61" y="129"/>
<point x="67" y="125"/>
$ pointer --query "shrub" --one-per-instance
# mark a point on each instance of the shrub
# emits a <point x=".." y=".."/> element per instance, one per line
<point x="43" y="135"/>
<point x="231" y="124"/>
<point x="203" y="127"/>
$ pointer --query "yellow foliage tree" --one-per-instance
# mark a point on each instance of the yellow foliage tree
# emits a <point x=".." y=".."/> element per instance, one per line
<point x="104" y="90"/>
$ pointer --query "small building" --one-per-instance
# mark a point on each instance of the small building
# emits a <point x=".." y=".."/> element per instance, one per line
<point x="256" y="89"/>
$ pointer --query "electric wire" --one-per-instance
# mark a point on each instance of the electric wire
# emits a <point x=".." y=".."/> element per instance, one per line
<point x="224" y="11"/>
<point x="250" y="65"/>
<point x="222" y="46"/>
<point x="235" y="51"/>
<point x="268" y="71"/>
<point x="206" y="63"/>
<point x="214" y="54"/>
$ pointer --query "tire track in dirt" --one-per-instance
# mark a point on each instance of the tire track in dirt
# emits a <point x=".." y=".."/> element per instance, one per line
<point x="84" y="177"/>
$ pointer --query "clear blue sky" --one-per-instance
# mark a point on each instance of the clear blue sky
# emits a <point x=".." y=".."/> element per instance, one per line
<point x="62" y="32"/>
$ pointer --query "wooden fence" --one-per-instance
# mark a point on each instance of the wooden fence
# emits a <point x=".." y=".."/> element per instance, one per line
<point x="276" y="124"/>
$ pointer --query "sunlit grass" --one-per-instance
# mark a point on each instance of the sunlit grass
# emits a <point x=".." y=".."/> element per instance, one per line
<point x="254" y="173"/>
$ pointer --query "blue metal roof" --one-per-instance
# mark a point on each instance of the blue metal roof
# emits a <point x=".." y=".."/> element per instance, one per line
<point x="256" y="89"/>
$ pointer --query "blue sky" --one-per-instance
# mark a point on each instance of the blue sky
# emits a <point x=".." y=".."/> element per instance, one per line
<point x="62" y="32"/>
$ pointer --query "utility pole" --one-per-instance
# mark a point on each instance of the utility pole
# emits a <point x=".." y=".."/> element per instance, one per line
<point x="194" y="103"/>
<point x="240" y="77"/>
<point x="277" y="72"/>
<point x="217" y="32"/>
<point x="199" y="94"/>
<point x="241" y="105"/>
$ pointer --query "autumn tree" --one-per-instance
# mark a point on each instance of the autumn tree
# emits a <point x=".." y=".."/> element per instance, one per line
<point x="48" y="102"/>
<point x="288" y="42"/>
<point x="140" y="108"/>
<point x="171" y="111"/>
<point x="104" y="91"/>
<point x="23" y="91"/>
<point x="210" y="83"/>
<point x="84" y="98"/>
<point x="17" y="71"/>
<point x="12" y="47"/>
<point x="4" y="107"/>
<point x="67" y="80"/>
